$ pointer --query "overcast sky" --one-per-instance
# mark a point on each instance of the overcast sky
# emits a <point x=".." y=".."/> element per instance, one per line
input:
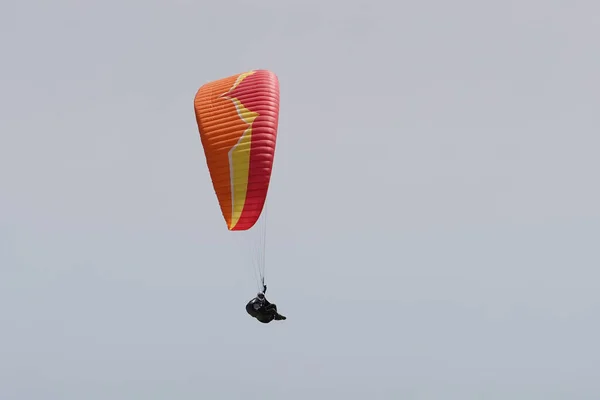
<point x="434" y="211"/>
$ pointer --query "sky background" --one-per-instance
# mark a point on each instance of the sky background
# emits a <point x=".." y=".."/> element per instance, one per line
<point x="434" y="210"/>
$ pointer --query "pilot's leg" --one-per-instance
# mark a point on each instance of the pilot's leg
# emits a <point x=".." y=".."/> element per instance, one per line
<point x="271" y="308"/>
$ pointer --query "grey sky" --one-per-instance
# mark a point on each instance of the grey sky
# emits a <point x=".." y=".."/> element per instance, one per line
<point x="434" y="214"/>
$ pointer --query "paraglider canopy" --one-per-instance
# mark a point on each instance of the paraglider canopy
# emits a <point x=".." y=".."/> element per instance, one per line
<point x="237" y="118"/>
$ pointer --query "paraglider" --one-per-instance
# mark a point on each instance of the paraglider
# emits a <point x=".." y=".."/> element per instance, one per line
<point x="261" y="309"/>
<point x="238" y="118"/>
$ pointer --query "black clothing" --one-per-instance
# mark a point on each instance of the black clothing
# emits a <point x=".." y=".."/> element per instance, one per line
<point x="260" y="308"/>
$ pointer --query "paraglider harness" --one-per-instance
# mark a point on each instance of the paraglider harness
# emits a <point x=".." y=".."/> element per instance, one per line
<point x="265" y="312"/>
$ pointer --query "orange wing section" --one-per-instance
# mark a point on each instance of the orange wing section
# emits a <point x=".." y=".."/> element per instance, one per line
<point x="238" y="119"/>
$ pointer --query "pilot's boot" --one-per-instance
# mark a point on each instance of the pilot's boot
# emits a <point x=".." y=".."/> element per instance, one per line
<point x="279" y="317"/>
